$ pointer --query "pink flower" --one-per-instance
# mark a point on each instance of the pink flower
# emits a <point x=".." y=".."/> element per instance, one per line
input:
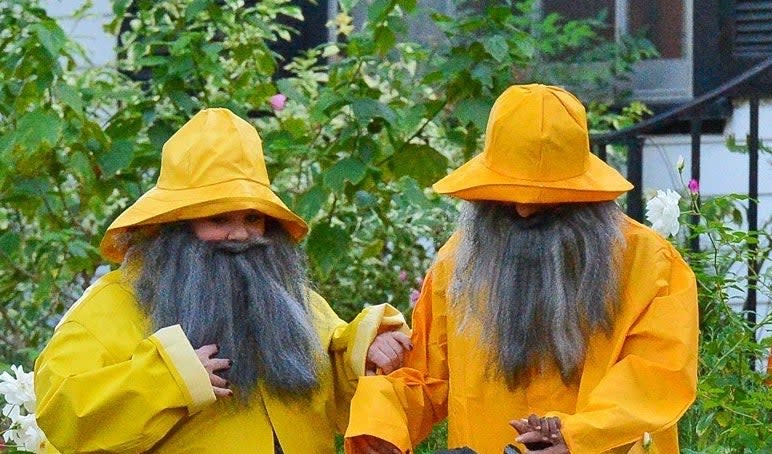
<point x="403" y="276"/>
<point x="414" y="294"/>
<point x="694" y="186"/>
<point x="278" y="101"/>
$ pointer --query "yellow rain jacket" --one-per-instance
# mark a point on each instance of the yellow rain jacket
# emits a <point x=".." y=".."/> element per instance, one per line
<point x="640" y="379"/>
<point x="104" y="385"/>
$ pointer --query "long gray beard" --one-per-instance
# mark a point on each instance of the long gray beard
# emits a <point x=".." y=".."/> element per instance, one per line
<point x="538" y="286"/>
<point x="249" y="298"/>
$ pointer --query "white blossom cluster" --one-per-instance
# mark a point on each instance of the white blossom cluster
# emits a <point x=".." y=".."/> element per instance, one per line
<point x="662" y="211"/>
<point x="18" y="393"/>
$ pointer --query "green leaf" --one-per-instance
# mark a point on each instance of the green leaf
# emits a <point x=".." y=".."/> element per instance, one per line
<point x="412" y="193"/>
<point x="33" y="186"/>
<point x="497" y="47"/>
<point x="9" y="243"/>
<point x="421" y="162"/>
<point x="347" y="169"/>
<point x="378" y="10"/>
<point x="325" y="246"/>
<point x="50" y="35"/>
<point x="38" y="128"/>
<point x="373" y="249"/>
<point x="365" y="109"/>
<point x="118" y="157"/>
<point x="69" y="96"/>
<point x="385" y="39"/>
<point x="195" y="7"/>
<point x="473" y="111"/>
<point x="309" y="204"/>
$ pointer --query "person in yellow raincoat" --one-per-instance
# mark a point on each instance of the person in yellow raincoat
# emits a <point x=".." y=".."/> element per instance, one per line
<point x="207" y="339"/>
<point x="549" y="316"/>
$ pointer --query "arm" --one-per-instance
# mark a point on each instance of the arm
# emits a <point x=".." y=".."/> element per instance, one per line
<point x="654" y="379"/>
<point x="401" y="408"/>
<point x="348" y="345"/>
<point x="90" y="401"/>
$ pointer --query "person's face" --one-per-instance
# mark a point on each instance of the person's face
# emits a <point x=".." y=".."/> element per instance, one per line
<point x="232" y="226"/>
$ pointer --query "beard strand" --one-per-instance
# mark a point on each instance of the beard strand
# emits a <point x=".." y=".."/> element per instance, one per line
<point x="250" y="298"/>
<point x="537" y="286"/>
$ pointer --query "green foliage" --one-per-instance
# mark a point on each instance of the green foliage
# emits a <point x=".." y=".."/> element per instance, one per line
<point x="369" y="124"/>
<point x="733" y="411"/>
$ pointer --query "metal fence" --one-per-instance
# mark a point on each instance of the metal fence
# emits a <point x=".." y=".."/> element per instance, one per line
<point x="694" y="112"/>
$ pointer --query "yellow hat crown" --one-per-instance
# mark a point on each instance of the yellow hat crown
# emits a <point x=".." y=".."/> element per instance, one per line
<point x="214" y="146"/>
<point x="537" y="133"/>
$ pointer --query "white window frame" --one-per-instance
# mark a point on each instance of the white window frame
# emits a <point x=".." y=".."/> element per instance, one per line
<point x="662" y="79"/>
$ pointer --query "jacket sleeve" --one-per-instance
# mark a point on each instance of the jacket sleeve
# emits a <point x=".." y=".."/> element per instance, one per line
<point x="654" y="379"/>
<point x="402" y="407"/>
<point x="89" y="401"/>
<point x="348" y="344"/>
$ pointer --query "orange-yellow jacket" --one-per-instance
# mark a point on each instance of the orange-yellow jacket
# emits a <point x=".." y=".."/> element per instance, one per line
<point x="104" y="384"/>
<point x="640" y="379"/>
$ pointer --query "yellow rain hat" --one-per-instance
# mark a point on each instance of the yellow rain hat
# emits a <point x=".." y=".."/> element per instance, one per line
<point x="214" y="164"/>
<point x="536" y="150"/>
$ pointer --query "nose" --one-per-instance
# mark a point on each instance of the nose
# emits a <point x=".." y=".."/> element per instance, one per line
<point x="237" y="232"/>
<point x="526" y="210"/>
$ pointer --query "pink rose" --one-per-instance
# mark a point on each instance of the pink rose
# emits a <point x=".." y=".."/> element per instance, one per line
<point x="694" y="186"/>
<point x="278" y="101"/>
<point x="403" y="275"/>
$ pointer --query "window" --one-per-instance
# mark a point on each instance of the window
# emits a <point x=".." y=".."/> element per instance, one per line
<point x="666" y="23"/>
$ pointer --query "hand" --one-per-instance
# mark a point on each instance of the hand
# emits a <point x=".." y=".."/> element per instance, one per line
<point x="212" y="365"/>
<point x="387" y="352"/>
<point x="541" y="435"/>
<point x="367" y="444"/>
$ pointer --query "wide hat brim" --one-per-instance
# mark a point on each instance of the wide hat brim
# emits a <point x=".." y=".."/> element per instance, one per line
<point x="475" y="181"/>
<point x="158" y="206"/>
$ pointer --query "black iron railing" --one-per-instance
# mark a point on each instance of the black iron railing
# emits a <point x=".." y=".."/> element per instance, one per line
<point x="694" y="112"/>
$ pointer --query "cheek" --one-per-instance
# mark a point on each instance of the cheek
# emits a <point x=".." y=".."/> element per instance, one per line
<point x="208" y="232"/>
<point x="256" y="230"/>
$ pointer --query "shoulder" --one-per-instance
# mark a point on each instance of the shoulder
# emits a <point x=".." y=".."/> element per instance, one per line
<point x="643" y="243"/>
<point x="106" y="305"/>
<point x="651" y="260"/>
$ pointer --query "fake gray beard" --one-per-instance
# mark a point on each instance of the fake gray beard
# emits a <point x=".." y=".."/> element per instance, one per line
<point x="537" y="286"/>
<point x="250" y="298"/>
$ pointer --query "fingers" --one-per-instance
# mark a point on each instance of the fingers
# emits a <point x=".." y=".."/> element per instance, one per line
<point x="212" y="365"/>
<point x="215" y="364"/>
<point x="534" y="421"/>
<point x="531" y="437"/>
<point x="551" y="427"/>
<point x="403" y="339"/>
<point x="222" y="392"/>
<point x="387" y="351"/>
<point x="218" y="381"/>
<point x="520" y="425"/>
<point x="206" y="351"/>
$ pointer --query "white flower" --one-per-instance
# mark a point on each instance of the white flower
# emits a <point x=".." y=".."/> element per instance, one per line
<point x="19" y="390"/>
<point x="662" y="212"/>
<point x="26" y="434"/>
<point x="18" y="393"/>
<point x="680" y="163"/>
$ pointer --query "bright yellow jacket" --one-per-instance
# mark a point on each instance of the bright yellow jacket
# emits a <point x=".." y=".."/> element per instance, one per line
<point x="640" y="379"/>
<point x="104" y="385"/>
